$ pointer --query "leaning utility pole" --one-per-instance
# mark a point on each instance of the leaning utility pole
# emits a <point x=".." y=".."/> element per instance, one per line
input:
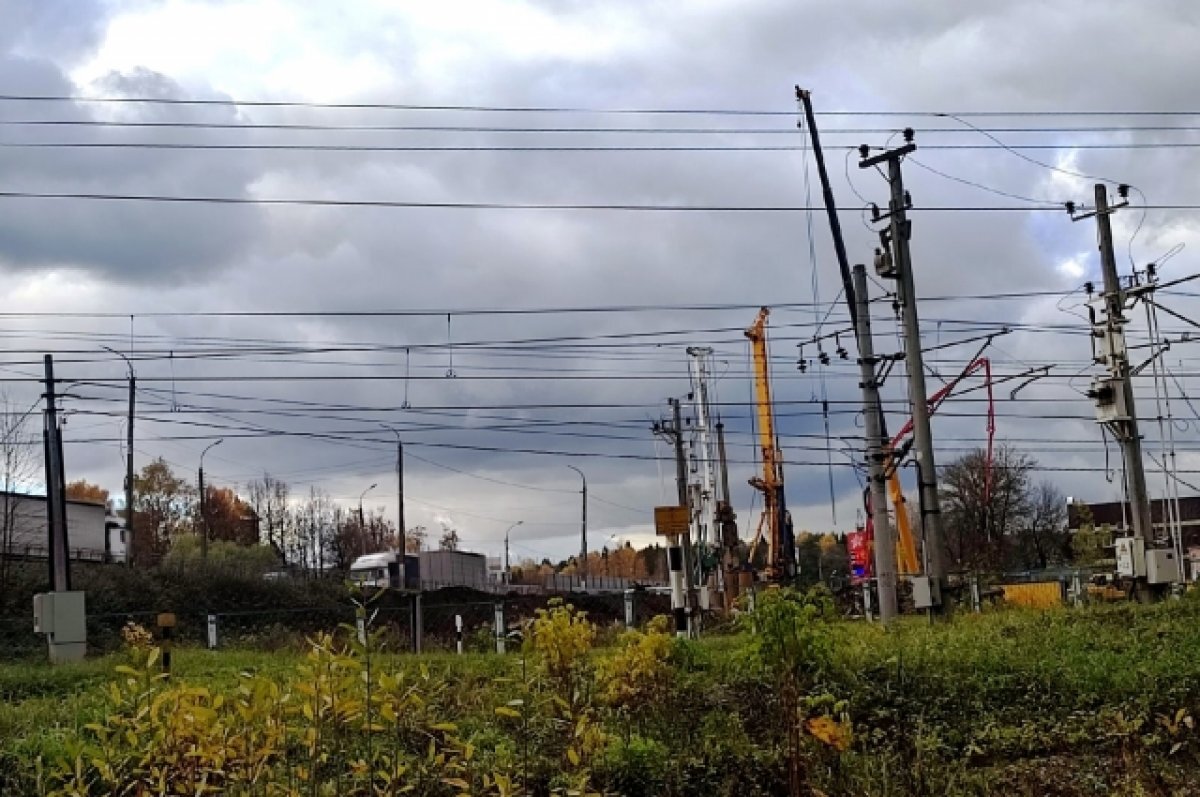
<point x="885" y="542"/>
<point x="1114" y="394"/>
<point x="727" y="525"/>
<point x="681" y="485"/>
<point x="895" y="261"/>
<point x="56" y="498"/>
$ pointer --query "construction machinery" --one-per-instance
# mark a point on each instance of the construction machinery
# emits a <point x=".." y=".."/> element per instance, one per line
<point x="907" y="557"/>
<point x="774" y="524"/>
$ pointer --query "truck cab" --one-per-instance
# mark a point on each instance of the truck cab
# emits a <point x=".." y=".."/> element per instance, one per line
<point x="386" y="570"/>
<point x="117" y="538"/>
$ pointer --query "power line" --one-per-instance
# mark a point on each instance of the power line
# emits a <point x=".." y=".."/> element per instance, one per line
<point x="229" y="102"/>
<point x="618" y="207"/>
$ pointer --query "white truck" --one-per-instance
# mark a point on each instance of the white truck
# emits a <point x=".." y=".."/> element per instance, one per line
<point x="387" y="570"/>
<point x="92" y="533"/>
<point x="426" y="570"/>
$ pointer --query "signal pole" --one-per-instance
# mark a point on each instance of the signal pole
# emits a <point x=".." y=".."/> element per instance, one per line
<point x="885" y="542"/>
<point x="1117" y="390"/>
<point x="896" y="263"/>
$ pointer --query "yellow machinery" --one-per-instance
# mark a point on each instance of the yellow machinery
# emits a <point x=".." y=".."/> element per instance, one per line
<point x="906" y="552"/>
<point x="774" y="519"/>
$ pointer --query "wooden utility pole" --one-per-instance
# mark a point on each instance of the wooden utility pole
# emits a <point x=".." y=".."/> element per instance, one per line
<point x="896" y="263"/>
<point x="885" y="542"/>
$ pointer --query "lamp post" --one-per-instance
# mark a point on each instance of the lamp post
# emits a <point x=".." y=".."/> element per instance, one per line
<point x="362" y="523"/>
<point x="583" y="551"/>
<point x="507" y="569"/>
<point x="204" y="501"/>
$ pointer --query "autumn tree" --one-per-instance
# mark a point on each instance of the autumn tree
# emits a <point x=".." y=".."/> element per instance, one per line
<point x="163" y="507"/>
<point x="83" y="490"/>
<point x="227" y="517"/>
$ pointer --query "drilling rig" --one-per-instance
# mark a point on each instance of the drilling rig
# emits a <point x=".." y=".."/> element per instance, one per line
<point x="774" y="524"/>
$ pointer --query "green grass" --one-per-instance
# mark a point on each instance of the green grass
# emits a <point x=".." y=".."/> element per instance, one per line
<point x="1015" y="701"/>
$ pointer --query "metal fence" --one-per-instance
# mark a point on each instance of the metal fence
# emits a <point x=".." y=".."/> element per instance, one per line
<point x="442" y="624"/>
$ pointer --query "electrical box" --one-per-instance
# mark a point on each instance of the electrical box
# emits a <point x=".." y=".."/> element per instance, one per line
<point x="62" y="617"/>
<point x="1110" y="400"/>
<point x="43" y="613"/>
<point x="1131" y="556"/>
<point x="926" y="592"/>
<point x="1162" y="566"/>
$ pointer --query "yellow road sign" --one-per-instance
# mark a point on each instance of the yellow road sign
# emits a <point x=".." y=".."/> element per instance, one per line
<point x="671" y="520"/>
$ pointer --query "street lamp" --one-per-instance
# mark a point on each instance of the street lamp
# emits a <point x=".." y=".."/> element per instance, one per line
<point x="362" y="523"/>
<point x="582" y="532"/>
<point x="204" y="501"/>
<point x="507" y="570"/>
<point x="604" y="547"/>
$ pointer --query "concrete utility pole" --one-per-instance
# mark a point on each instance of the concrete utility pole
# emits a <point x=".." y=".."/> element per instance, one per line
<point x="678" y="559"/>
<point x="56" y="497"/>
<point x="896" y="263"/>
<point x="399" y="495"/>
<point x="727" y="523"/>
<point x="885" y="542"/>
<point x="704" y="512"/>
<point x="583" y="549"/>
<point x="128" y="461"/>
<point x="1119" y="386"/>
<point x="205" y="531"/>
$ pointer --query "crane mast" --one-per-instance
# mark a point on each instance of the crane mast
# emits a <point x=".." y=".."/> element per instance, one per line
<point x="773" y="524"/>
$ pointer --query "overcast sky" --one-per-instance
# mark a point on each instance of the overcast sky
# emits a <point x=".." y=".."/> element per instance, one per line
<point x="137" y="275"/>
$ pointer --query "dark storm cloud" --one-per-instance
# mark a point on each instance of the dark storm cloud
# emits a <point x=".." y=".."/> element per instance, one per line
<point x="1025" y="55"/>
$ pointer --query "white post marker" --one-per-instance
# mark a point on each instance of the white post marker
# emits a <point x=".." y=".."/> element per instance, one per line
<point x="212" y="632"/>
<point x="458" y="632"/>
<point x="500" y="628"/>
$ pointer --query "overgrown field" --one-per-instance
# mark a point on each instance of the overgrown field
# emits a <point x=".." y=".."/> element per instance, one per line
<point x="1093" y="701"/>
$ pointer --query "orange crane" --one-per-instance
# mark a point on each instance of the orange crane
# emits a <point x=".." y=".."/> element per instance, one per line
<point x="774" y="520"/>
